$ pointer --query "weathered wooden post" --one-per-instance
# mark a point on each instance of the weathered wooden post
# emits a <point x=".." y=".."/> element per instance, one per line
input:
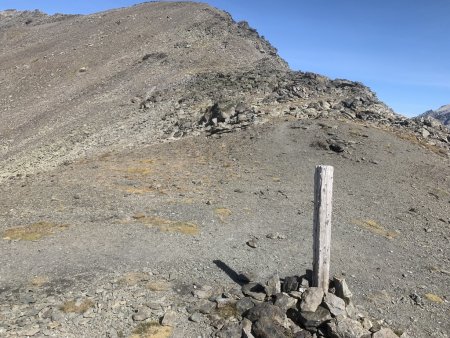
<point x="323" y="191"/>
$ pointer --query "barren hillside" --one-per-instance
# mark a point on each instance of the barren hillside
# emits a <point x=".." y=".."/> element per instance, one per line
<point x="152" y="157"/>
<point x="67" y="85"/>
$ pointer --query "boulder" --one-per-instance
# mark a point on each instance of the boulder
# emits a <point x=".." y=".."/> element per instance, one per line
<point x="311" y="320"/>
<point x="335" y="304"/>
<point x="266" y="310"/>
<point x="384" y="333"/>
<point x="265" y="327"/>
<point x="345" y="328"/>
<point x="311" y="299"/>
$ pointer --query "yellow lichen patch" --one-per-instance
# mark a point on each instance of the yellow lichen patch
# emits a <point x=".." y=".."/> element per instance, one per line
<point x="33" y="231"/>
<point x="181" y="227"/>
<point x="138" y="170"/>
<point x="151" y="330"/>
<point x="167" y="225"/>
<point x="77" y="307"/>
<point x="137" y="190"/>
<point x="133" y="278"/>
<point x="228" y="311"/>
<point x="434" y="298"/>
<point x="147" y="161"/>
<point x="376" y="228"/>
<point x="158" y="286"/>
<point x="39" y="281"/>
<point x="222" y="213"/>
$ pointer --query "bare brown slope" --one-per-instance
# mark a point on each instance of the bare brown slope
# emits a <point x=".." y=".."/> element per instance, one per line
<point x="63" y="82"/>
<point x="77" y="85"/>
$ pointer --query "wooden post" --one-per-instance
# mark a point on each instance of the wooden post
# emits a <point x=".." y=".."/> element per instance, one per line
<point x="323" y="191"/>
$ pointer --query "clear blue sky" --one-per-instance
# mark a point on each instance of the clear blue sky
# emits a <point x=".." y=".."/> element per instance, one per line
<point x="400" y="48"/>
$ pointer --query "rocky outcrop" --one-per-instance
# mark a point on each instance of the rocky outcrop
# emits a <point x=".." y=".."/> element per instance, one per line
<point x="217" y="103"/>
<point x="442" y="114"/>
<point x="10" y="18"/>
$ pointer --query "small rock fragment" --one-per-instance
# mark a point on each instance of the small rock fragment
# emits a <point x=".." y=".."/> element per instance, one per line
<point x="335" y="304"/>
<point x="247" y="328"/>
<point x="303" y="334"/>
<point x="253" y="243"/>
<point x="205" y="306"/>
<point x="142" y="314"/>
<point x="366" y="323"/>
<point x="284" y="302"/>
<point x="31" y="331"/>
<point x="170" y="318"/>
<point x="345" y="327"/>
<point x="425" y="133"/>
<point x="296" y="294"/>
<point x="265" y="327"/>
<point x="254" y="290"/>
<point x="337" y="148"/>
<point x="230" y="330"/>
<point x="384" y="333"/>
<point x="342" y="290"/>
<point x="304" y="283"/>
<point x="266" y="310"/>
<point x="290" y="284"/>
<point x="244" y="304"/>
<point x="351" y="310"/>
<point x="273" y="285"/>
<point x="203" y="292"/>
<point x="216" y="321"/>
<point x="196" y="317"/>
<point x="311" y="299"/>
<point x="275" y="235"/>
<point x="417" y="299"/>
<point x="311" y="320"/>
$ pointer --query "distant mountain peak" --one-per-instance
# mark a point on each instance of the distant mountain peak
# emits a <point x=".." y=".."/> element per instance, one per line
<point x="442" y="114"/>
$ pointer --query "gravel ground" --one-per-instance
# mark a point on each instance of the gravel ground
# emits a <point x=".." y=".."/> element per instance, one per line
<point x="178" y="212"/>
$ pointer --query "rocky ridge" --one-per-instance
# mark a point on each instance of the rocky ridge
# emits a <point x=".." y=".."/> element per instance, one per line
<point x="442" y="114"/>
<point x="217" y="103"/>
<point x="12" y="17"/>
<point x="119" y="97"/>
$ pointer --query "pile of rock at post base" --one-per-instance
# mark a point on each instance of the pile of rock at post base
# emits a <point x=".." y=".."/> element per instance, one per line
<point x="286" y="308"/>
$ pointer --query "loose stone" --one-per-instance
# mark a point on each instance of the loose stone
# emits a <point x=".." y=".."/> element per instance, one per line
<point x="311" y="320"/>
<point x="311" y="299"/>
<point x="169" y="318"/>
<point x="335" y="304"/>
<point x="265" y="327"/>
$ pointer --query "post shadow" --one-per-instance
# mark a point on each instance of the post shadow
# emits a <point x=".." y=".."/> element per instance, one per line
<point x="235" y="277"/>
